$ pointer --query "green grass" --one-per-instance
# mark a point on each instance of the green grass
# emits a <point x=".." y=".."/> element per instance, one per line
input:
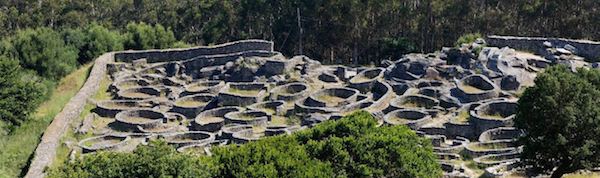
<point x="463" y="116"/>
<point x="471" y="89"/>
<point x="244" y="92"/>
<point x="18" y="147"/>
<point x="62" y="154"/>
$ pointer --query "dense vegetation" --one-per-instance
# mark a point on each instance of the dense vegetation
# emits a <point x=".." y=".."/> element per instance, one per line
<point x="14" y="91"/>
<point x="33" y="60"/>
<point x="350" y="147"/>
<point x="561" y="117"/>
<point x="337" y="29"/>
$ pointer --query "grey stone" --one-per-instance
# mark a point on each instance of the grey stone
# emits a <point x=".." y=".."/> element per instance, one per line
<point x="509" y="82"/>
<point x="563" y="51"/>
<point x="547" y="44"/>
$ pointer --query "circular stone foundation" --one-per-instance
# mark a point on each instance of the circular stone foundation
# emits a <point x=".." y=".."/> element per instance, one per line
<point x="211" y="86"/>
<point x="144" y="118"/>
<point x="332" y="97"/>
<point x="242" y="94"/>
<point x="290" y="91"/>
<point x="269" y="107"/>
<point x="476" y="88"/>
<point x="213" y="120"/>
<point x="493" y="114"/>
<point x="191" y="105"/>
<point x="248" y="117"/>
<point x="130" y="83"/>
<point x="139" y="93"/>
<point x="105" y="142"/>
<point x="414" y="101"/>
<point x="413" y="118"/>
<point x="368" y="75"/>
<point x="110" y="108"/>
<point x="229" y="129"/>
<point x="189" y="138"/>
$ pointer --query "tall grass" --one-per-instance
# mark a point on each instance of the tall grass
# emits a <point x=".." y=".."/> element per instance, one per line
<point x="16" y="148"/>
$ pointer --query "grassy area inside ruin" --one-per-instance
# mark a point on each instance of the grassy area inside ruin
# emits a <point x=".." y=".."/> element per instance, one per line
<point x="190" y="103"/>
<point x="18" y="147"/>
<point x="463" y="117"/>
<point x="470" y="89"/>
<point x="244" y="92"/>
<point x="496" y="116"/>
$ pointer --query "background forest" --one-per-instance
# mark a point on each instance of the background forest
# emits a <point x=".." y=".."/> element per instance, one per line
<point x="331" y="29"/>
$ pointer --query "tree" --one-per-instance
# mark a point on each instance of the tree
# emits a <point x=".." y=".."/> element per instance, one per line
<point x="144" y="36"/>
<point x="18" y="97"/>
<point x="42" y="50"/>
<point x="270" y="157"/>
<point x="93" y="41"/>
<point x="561" y="118"/>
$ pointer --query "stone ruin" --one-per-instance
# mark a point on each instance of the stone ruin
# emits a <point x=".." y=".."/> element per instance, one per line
<point x="463" y="99"/>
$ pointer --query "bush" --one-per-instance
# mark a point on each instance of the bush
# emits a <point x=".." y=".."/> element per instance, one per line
<point x="467" y="38"/>
<point x="155" y="160"/>
<point x="355" y="147"/>
<point x="18" y="97"/>
<point x="271" y="157"/>
<point x="93" y="41"/>
<point x="143" y="36"/>
<point x="43" y="51"/>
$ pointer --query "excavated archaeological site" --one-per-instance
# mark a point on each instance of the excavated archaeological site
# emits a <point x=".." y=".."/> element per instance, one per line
<point x="463" y="99"/>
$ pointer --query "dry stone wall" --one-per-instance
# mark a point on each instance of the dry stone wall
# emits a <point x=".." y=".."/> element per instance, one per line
<point x="45" y="152"/>
<point x="585" y="48"/>
<point x="157" y="55"/>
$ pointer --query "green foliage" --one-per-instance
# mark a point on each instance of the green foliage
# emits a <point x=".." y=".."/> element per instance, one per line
<point x="144" y="36"/>
<point x="393" y="48"/>
<point x="43" y="51"/>
<point x="467" y="38"/>
<point x="344" y="29"/>
<point x="355" y="147"/>
<point x="18" y="97"/>
<point x="561" y="117"/>
<point x="93" y="41"/>
<point x="271" y="157"/>
<point x="154" y="160"/>
<point x="350" y="147"/>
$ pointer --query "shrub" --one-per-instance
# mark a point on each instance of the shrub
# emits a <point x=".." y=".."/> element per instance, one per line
<point x="18" y="97"/>
<point x="43" y="51"/>
<point x="271" y="157"/>
<point x="143" y="36"/>
<point x="93" y="41"/>
<point x="467" y="38"/>
<point x="155" y="160"/>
